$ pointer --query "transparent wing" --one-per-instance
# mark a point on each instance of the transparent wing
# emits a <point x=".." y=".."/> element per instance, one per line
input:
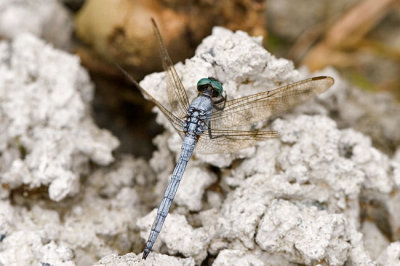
<point x="227" y="141"/>
<point x="176" y="92"/>
<point x="175" y="121"/>
<point x="261" y="106"/>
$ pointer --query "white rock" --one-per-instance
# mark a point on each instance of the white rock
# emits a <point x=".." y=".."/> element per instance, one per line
<point x="155" y="259"/>
<point x="26" y="248"/>
<point x="195" y="181"/>
<point x="48" y="135"/>
<point x="177" y="235"/>
<point x="93" y="226"/>
<point x="236" y="257"/>
<point x="47" y="19"/>
<point x="374" y="241"/>
<point x="56" y="255"/>
<point x="303" y="233"/>
<point x="358" y="254"/>
<point x="391" y="256"/>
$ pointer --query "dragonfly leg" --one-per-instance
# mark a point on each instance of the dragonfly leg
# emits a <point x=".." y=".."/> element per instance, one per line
<point x="209" y="130"/>
<point x="210" y="135"/>
<point x="218" y="101"/>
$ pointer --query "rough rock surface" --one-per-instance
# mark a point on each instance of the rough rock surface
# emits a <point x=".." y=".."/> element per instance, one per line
<point x="304" y="197"/>
<point x="46" y="19"/>
<point x="80" y="231"/>
<point x="48" y="136"/>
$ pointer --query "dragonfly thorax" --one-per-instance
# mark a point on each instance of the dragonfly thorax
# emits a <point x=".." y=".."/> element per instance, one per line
<point x="198" y="115"/>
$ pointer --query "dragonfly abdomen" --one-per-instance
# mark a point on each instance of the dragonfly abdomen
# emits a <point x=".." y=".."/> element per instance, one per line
<point x="188" y="145"/>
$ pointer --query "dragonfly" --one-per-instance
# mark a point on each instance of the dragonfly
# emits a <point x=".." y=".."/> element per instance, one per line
<point x="211" y="123"/>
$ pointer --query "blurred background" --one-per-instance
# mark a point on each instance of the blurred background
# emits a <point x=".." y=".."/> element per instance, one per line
<point x="360" y="38"/>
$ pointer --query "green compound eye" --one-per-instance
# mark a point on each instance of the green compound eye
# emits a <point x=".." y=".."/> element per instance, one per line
<point x="211" y="81"/>
<point x="203" y="81"/>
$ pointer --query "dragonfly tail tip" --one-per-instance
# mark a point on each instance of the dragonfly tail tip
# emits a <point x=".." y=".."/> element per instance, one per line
<point x="145" y="254"/>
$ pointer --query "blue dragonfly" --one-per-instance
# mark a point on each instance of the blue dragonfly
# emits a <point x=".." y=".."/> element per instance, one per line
<point x="209" y="121"/>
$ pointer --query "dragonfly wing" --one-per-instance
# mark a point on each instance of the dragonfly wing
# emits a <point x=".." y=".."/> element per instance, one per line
<point x="261" y="106"/>
<point x="175" y="121"/>
<point x="176" y="92"/>
<point x="228" y="141"/>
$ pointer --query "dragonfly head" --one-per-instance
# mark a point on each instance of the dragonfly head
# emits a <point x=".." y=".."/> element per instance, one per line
<point x="210" y="85"/>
